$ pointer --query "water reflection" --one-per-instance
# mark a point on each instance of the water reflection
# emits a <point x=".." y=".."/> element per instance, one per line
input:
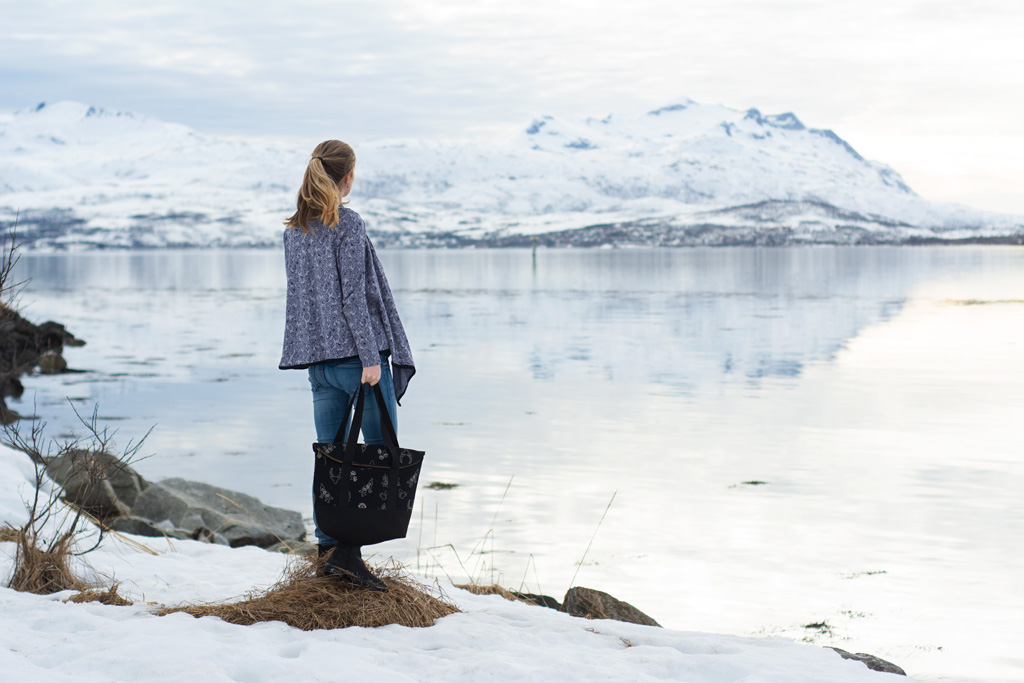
<point x="685" y="320"/>
<point x="679" y="318"/>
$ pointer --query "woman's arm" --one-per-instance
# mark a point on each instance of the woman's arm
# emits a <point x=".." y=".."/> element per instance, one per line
<point x="351" y="258"/>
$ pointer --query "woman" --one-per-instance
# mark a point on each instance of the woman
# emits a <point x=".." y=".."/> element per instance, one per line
<point x="341" y="323"/>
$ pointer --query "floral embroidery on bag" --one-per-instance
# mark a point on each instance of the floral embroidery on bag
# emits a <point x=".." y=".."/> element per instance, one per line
<point x="366" y="485"/>
<point x="325" y="495"/>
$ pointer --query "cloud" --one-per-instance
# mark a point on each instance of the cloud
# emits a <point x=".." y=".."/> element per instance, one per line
<point x="873" y="69"/>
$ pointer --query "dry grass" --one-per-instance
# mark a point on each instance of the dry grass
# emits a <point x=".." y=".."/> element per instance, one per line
<point x="43" y="571"/>
<point x="308" y="602"/>
<point x="46" y="571"/>
<point x="107" y="597"/>
<point x="495" y="589"/>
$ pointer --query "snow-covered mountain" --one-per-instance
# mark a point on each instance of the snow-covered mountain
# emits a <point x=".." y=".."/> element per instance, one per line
<point x="683" y="174"/>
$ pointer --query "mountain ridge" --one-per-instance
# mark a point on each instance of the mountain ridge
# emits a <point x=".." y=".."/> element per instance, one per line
<point x="686" y="173"/>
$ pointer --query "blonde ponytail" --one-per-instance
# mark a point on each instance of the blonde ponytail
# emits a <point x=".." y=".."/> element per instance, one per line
<point x="318" y="197"/>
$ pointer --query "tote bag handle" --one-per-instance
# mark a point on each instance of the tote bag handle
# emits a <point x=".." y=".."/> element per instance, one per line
<point x="387" y="427"/>
<point x="387" y="431"/>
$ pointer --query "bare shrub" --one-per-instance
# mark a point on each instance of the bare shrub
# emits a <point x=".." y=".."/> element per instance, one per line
<point x="8" y="260"/>
<point x="50" y="537"/>
<point x="47" y="542"/>
<point x="44" y="571"/>
<point x="9" y="384"/>
<point x="306" y="601"/>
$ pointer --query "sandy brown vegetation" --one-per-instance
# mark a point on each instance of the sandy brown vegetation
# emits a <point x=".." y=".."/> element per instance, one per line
<point x="42" y="570"/>
<point x="509" y="594"/>
<point x="109" y="596"/>
<point x="308" y="602"/>
<point x="494" y="589"/>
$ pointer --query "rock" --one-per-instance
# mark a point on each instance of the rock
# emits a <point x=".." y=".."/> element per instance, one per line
<point x="12" y="387"/>
<point x="134" y="525"/>
<point x="7" y="416"/>
<point x="23" y="346"/>
<point x="56" y="330"/>
<point x="204" y="535"/>
<point x="52" y="363"/>
<point x="539" y="600"/>
<point x="592" y="604"/>
<point x="240" y="518"/>
<point x="872" y="662"/>
<point x="143" y="527"/>
<point x="98" y="482"/>
<point x="22" y="343"/>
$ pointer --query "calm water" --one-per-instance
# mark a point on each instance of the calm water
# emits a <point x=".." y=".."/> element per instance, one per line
<point x="877" y="393"/>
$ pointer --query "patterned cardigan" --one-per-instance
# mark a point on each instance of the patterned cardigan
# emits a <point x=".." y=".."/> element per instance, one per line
<point x="339" y="304"/>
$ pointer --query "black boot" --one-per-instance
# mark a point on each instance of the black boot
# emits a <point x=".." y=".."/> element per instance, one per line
<point x="322" y="551"/>
<point x="346" y="562"/>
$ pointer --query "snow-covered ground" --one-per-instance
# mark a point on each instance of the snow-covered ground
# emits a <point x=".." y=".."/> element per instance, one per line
<point x="46" y="639"/>
<point x="683" y="174"/>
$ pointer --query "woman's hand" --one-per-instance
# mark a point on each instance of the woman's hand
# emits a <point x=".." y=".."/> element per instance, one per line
<point x="371" y="375"/>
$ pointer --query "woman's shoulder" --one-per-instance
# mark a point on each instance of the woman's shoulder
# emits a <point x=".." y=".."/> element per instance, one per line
<point x="349" y="222"/>
<point x="347" y="215"/>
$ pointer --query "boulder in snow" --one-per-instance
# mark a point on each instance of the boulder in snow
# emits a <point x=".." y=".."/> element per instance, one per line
<point x="592" y="604"/>
<point x="99" y="482"/>
<point x="539" y="600"/>
<point x="240" y="518"/>
<point x="144" y="527"/>
<point x="872" y="662"/>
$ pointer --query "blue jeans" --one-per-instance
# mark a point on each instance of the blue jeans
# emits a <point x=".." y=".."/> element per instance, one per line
<point x="333" y="386"/>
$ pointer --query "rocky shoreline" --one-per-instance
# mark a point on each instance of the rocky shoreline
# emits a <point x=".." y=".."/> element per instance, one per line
<point x="650" y="234"/>
<point x="740" y="226"/>
<point x="113" y="493"/>
<point x="25" y="346"/>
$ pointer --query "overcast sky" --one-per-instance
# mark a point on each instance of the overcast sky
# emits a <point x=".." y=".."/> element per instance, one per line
<point x="933" y="88"/>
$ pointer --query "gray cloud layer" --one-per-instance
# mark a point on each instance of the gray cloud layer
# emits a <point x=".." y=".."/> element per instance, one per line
<point x="934" y="88"/>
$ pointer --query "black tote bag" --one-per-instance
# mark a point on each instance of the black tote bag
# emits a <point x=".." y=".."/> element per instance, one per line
<point x="363" y="494"/>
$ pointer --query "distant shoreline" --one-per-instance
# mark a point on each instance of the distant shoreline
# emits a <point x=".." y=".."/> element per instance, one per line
<point x="422" y="242"/>
<point x="616" y="236"/>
